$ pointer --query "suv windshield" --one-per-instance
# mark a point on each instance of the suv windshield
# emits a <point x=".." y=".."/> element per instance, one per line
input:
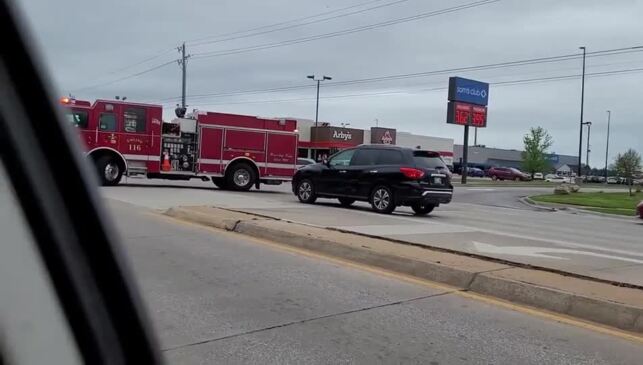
<point x="428" y="160"/>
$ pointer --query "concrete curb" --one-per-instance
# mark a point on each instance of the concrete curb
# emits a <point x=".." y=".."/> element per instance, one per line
<point x="581" y="298"/>
<point x="532" y="204"/>
<point x="553" y="207"/>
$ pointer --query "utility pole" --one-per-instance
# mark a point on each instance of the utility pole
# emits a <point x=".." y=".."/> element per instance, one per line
<point x="582" y="102"/>
<point x="607" y="145"/>
<point x="324" y="78"/>
<point x="183" y="64"/>
<point x="589" y="130"/>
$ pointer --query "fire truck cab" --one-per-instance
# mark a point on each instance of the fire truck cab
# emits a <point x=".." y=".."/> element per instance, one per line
<point x="234" y="151"/>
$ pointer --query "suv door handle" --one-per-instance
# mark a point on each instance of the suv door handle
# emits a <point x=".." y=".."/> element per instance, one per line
<point x="373" y="172"/>
<point x="342" y="171"/>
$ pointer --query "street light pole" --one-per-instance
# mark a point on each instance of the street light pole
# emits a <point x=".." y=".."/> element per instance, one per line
<point x="589" y="130"/>
<point x="582" y="102"/>
<point x="607" y="145"/>
<point x="324" y="78"/>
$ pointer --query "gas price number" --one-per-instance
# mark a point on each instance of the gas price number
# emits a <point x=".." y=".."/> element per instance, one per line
<point x="467" y="114"/>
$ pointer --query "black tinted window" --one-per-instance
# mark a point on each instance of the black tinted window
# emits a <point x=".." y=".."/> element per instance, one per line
<point x="78" y="118"/>
<point x="134" y="120"/>
<point x="428" y="160"/>
<point x="342" y="159"/>
<point x="389" y="157"/>
<point x="364" y="157"/>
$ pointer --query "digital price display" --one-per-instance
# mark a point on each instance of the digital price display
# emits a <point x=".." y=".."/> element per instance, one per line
<point x="467" y="114"/>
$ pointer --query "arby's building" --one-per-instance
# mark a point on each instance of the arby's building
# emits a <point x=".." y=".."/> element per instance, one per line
<point x="326" y="139"/>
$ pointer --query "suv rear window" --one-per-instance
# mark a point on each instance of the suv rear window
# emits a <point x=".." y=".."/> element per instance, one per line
<point x="428" y="160"/>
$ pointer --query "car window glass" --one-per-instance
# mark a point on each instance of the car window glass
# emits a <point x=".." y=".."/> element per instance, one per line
<point x="342" y="159"/>
<point x="388" y="157"/>
<point x="430" y="160"/>
<point x="107" y="122"/>
<point x="134" y="120"/>
<point x="364" y="157"/>
<point x="78" y="118"/>
<point x="34" y="326"/>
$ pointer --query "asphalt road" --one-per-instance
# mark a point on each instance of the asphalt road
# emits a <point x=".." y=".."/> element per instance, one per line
<point x="218" y="297"/>
<point x="489" y="221"/>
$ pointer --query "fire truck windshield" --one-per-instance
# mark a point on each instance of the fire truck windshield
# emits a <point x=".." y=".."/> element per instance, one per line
<point x="78" y="118"/>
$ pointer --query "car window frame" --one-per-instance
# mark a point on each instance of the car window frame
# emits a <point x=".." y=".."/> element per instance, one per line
<point x="334" y="157"/>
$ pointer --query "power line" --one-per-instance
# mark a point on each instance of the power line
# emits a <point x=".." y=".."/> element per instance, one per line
<point x="516" y="63"/>
<point x="497" y="83"/>
<point x="126" y="77"/>
<point x="284" y="22"/>
<point x="344" y="32"/>
<point x="297" y="25"/>
<point x="142" y="61"/>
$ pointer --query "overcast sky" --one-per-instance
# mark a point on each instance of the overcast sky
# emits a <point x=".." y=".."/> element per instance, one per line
<point x="87" y="45"/>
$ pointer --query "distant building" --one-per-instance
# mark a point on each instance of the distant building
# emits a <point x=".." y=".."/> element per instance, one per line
<point x="485" y="157"/>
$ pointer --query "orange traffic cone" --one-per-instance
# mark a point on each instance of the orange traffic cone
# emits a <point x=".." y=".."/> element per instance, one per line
<point x="166" y="166"/>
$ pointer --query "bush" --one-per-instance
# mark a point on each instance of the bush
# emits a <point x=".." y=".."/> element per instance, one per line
<point x="574" y="188"/>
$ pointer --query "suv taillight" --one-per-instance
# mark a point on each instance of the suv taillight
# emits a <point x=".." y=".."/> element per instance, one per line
<point x="412" y="173"/>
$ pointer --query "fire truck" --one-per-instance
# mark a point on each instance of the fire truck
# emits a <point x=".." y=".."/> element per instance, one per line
<point x="233" y="151"/>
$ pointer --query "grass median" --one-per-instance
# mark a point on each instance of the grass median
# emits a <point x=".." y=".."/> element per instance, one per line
<point x="611" y="203"/>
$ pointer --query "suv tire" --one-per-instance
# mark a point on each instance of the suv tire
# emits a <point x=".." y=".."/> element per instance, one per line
<point x="382" y="199"/>
<point x="422" y="209"/>
<point x="306" y="191"/>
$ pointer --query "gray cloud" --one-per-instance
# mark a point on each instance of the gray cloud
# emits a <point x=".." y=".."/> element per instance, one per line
<point x="83" y="41"/>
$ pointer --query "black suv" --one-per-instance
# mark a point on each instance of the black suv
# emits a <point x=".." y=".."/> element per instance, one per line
<point x="385" y="176"/>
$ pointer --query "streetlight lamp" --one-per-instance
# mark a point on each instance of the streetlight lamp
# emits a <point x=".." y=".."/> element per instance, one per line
<point x="582" y="101"/>
<point x="607" y="145"/>
<point x="324" y="78"/>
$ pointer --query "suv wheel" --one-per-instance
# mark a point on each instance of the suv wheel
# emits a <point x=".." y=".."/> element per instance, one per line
<point x="306" y="192"/>
<point x="422" y="209"/>
<point x="516" y="178"/>
<point x="345" y="202"/>
<point x="494" y="178"/>
<point x="382" y="200"/>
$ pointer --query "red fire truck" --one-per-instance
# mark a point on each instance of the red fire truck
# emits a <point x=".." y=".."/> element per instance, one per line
<point x="234" y="151"/>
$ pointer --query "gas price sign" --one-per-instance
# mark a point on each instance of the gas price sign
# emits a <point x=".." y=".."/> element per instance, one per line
<point x="467" y="114"/>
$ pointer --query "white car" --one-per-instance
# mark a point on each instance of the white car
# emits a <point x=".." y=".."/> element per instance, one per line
<point x="557" y="179"/>
<point x="538" y="176"/>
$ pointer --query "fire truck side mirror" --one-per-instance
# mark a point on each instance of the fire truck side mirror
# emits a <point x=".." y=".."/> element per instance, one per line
<point x="180" y="112"/>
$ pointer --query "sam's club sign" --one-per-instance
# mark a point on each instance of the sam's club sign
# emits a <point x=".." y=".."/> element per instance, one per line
<point x="468" y="91"/>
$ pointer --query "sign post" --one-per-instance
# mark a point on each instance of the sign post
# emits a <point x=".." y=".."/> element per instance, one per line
<point x="467" y="107"/>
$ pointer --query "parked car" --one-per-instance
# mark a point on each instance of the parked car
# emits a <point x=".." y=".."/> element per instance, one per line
<point x="557" y="179"/>
<point x="475" y="172"/>
<point x="639" y="209"/>
<point x="613" y="180"/>
<point x="301" y="162"/>
<point x="539" y="176"/>
<point x="507" y="173"/>
<point x="385" y="176"/>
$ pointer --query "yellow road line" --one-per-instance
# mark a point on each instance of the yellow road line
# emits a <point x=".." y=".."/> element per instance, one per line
<point x="557" y="317"/>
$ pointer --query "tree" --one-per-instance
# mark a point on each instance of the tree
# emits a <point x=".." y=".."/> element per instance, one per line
<point x="534" y="158"/>
<point x="627" y="165"/>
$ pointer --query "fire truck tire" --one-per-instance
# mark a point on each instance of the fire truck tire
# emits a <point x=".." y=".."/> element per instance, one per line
<point x="240" y="176"/>
<point x="219" y="182"/>
<point x="109" y="170"/>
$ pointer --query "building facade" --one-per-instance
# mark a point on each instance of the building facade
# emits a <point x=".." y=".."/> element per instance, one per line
<point x="323" y="140"/>
<point x="485" y="157"/>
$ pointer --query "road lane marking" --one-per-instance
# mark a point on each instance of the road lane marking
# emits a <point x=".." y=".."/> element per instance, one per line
<point x="532" y="251"/>
<point x="556" y="317"/>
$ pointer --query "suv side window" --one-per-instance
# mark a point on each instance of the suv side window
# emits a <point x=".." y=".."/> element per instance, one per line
<point x="342" y="159"/>
<point x="389" y="157"/>
<point x="364" y="157"/>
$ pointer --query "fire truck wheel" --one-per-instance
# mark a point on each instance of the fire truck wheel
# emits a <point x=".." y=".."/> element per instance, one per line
<point x="110" y="170"/>
<point x="219" y="182"/>
<point x="240" y="177"/>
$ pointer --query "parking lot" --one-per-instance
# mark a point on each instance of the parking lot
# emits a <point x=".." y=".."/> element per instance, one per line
<point x="489" y="221"/>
